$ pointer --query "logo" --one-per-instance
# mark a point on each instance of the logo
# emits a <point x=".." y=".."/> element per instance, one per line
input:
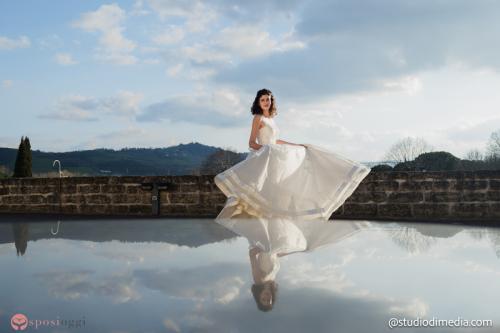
<point x="19" y="322"/>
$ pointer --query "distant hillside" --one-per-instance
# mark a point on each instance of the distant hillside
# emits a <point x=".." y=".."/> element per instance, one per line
<point x="183" y="159"/>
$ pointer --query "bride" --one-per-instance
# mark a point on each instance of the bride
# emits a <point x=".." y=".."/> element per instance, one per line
<point x="270" y="240"/>
<point x="284" y="179"/>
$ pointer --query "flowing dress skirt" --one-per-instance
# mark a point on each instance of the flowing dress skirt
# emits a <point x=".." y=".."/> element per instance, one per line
<point x="281" y="180"/>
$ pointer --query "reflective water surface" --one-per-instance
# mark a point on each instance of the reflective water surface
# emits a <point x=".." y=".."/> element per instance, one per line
<point x="199" y="275"/>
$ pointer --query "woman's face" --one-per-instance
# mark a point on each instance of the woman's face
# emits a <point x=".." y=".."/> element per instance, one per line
<point x="265" y="102"/>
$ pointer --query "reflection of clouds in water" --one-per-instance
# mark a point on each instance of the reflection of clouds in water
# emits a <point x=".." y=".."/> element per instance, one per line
<point x="217" y="283"/>
<point x="67" y="285"/>
<point x="132" y="252"/>
<point x="411" y="240"/>
<point x="170" y="324"/>
<point x="331" y="277"/>
<point x="415" y="308"/>
<point x="471" y="266"/>
<point x="78" y="284"/>
<point x="126" y="252"/>
<point x="465" y="238"/>
<point x="419" y="238"/>
<point x="306" y="272"/>
<point x="207" y="298"/>
<point x="120" y="288"/>
<point x="198" y="320"/>
<point x="494" y="238"/>
<point x="308" y="275"/>
<point x="486" y="235"/>
<point x="411" y="308"/>
<point x="6" y="249"/>
<point x="127" y="258"/>
<point x="233" y="290"/>
<point x="311" y="309"/>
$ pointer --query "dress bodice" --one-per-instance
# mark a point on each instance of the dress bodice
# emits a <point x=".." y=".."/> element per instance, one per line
<point x="268" y="134"/>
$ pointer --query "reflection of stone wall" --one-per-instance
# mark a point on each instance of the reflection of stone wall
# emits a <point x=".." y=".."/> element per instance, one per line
<point x="382" y="195"/>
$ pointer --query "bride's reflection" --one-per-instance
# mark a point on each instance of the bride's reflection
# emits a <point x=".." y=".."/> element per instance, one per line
<point x="270" y="239"/>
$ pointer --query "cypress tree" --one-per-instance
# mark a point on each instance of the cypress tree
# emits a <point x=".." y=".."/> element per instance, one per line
<point x="28" y="159"/>
<point x="20" y="160"/>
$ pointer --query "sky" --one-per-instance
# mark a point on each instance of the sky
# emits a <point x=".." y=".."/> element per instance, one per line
<point x="352" y="76"/>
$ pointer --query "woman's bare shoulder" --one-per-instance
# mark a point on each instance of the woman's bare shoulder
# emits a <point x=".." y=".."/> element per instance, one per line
<point x="257" y="118"/>
<point x="257" y="121"/>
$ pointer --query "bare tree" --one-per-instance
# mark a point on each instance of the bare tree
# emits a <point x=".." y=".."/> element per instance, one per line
<point x="407" y="149"/>
<point x="493" y="146"/>
<point x="474" y="155"/>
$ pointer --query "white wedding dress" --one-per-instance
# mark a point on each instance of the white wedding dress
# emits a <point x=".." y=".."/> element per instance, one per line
<point x="282" y="236"/>
<point x="281" y="180"/>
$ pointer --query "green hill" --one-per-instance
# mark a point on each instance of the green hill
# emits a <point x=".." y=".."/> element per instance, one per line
<point x="183" y="159"/>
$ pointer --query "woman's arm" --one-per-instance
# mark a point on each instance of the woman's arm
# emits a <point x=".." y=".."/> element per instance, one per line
<point x="252" y="142"/>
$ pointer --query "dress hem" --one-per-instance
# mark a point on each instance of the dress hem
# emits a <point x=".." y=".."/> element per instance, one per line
<point x="232" y="186"/>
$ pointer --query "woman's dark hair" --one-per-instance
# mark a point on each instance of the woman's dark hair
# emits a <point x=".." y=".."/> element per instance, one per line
<point x="257" y="290"/>
<point x="256" y="107"/>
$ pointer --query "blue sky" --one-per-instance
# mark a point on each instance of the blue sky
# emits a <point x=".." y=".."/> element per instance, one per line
<point x="351" y="76"/>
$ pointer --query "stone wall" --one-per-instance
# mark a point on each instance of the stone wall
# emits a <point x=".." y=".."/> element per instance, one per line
<point x="184" y="196"/>
<point x="452" y="196"/>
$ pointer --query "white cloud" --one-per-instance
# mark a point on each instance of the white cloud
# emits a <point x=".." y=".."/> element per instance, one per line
<point x="203" y="59"/>
<point x="175" y="70"/>
<point x="11" y="44"/>
<point x="222" y="107"/>
<point x="171" y="35"/>
<point x="251" y="41"/>
<point x="117" y="58"/>
<point x="226" y="100"/>
<point x="106" y="18"/>
<point x="73" y="108"/>
<point x="65" y="59"/>
<point x="113" y="47"/>
<point x="197" y="15"/>
<point x="7" y="83"/>
<point x="353" y="46"/>
<point x="411" y="85"/>
<point x="200" y="74"/>
<point x="200" y="18"/>
<point x="202" y="54"/>
<point x="415" y="308"/>
<point x="171" y="325"/>
<point x="52" y="41"/>
<point x="83" y="108"/>
<point x="138" y="9"/>
<point x="130" y="136"/>
<point x="74" y="285"/>
<point x="114" y="41"/>
<point x="125" y="103"/>
<point x="330" y="277"/>
<point x="149" y="49"/>
<point x="169" y="8"/>
<point x="151" y="61"/>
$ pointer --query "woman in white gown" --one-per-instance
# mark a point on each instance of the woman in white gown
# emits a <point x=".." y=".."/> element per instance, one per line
<point x="283" y="179"/>
<point x="270" y="239"/>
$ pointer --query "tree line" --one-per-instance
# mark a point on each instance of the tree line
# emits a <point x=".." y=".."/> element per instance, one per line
<point x="415" y="154"/>
<point x="407" y="154"/>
